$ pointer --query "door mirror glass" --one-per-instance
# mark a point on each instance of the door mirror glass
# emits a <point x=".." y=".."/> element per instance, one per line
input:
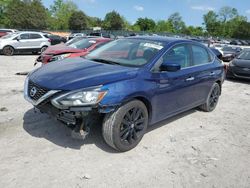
<point x="170" y="67"/>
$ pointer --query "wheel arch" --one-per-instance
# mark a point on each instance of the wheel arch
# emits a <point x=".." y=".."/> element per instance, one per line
<point x="220" y="84"/>
<point x="9" y="46"/>
<point x="147" y="104"/>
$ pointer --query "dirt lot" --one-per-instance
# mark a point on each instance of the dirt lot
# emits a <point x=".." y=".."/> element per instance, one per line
<point x="194" y="149"/>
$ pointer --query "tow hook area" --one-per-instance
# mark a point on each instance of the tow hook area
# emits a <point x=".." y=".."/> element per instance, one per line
<point x="81" y="130"/>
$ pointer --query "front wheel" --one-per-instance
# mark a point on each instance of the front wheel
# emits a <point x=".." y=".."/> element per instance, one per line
<point x="212" y="98"/>
<point x="8" y="50"/>
<point x="43" y="49"/>
<point x="124" y="128"/>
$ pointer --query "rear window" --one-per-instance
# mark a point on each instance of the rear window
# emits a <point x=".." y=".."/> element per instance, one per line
<point x="35" y="36"/>
<point x="200" y="55"/>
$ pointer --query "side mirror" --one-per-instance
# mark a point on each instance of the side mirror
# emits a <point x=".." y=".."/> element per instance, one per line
<point x="170" y="67"/>
<point x="18" y="38"/>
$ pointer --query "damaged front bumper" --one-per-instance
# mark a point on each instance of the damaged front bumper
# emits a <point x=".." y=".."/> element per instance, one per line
<point x="79" y="118"/>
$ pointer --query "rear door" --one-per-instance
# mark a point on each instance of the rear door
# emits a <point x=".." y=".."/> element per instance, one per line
<point x="35" y="40"/>
<point x="205" y="72"/>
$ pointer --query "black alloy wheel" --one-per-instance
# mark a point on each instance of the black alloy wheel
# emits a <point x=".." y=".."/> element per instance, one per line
<point x="132" y="126"/>
<point x="124" y="128"/>
<point x="212" y="99"/>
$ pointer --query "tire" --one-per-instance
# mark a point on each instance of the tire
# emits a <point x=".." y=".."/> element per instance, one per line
<point x="124" y="128"/>
<point x="212" y="99"/>
<point x="43" y="49"/>
<point x="8" y="50"/>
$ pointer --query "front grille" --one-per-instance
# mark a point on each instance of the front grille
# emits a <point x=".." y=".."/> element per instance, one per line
<point x="35" y="91"/>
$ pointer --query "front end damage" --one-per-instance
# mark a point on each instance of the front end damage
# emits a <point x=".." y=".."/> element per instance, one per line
<point x="77" y="118"/>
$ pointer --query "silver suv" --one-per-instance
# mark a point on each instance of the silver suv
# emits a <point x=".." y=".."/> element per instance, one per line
<point x="24" y="42"/>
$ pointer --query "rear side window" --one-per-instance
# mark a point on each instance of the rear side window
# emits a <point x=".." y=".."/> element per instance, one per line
<point x="35" y="36"/>
<point x="178" y="55"/>
<point x="200" y="55"/>
<point x="25" y="36"/>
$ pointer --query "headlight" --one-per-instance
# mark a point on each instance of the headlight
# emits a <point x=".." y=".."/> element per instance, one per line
<point x="79" y="98"/>
<point x="60" y="57"/>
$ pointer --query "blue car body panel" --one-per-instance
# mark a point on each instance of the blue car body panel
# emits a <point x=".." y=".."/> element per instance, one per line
<point x="165" y="93"/>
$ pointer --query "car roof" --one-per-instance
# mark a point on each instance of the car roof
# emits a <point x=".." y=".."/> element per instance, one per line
<point x="161" y="39"/>
<point x="23" y="32"/>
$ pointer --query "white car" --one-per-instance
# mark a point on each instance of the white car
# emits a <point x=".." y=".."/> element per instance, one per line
<point x="24" y="42"/>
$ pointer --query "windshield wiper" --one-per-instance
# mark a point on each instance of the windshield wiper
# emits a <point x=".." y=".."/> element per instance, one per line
<point x="105" y="61"/>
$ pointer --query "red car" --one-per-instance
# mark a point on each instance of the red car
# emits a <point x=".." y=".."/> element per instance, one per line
<point x="4" y="32"/>
<point x="76" y="49"/>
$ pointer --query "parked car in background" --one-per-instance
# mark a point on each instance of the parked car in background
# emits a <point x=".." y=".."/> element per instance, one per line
<point x="229" y="53"/>
<point x="76" y="49"/>
<point x="240" y="66"/>
<point x="55" y="39"/>
<point x="23" y="42"/>
<point x="71" y="41"/>
<point x="130" y="83"/>
<point x="75" y="35"/>
<point x="216" y="52"/>
<point x="100" y="34"/>
<point x="4" y="32"/>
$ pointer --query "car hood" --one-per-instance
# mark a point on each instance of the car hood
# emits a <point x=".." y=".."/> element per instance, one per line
<point x="61" y="49"/>
<point x="241" y="63"/>
<point x="77" y="73"/>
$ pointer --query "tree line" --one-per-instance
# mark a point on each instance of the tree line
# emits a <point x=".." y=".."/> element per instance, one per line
<point x="65" y="15"/>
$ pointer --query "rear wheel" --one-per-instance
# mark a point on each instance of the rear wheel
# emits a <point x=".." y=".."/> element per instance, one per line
<point x="8" y="50"/>
<point x="124" y="128"/>
<point x="212" y="99"/>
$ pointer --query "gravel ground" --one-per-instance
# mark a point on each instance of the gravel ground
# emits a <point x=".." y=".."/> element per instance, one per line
<point x="193" y="149"/>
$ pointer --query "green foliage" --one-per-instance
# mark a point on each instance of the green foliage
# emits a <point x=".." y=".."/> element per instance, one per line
<point x="164" y="26"/>
<point x="145" y="24"/>
<point x="176" y="20"/>
<point x="226" y="23"/>
<point x="3" y="8"/>
<point x="242" y="31"/>
<point x="26" y="14"/>
<point x="78" y="21"/>
<point x="64" y="15"/>
<point x="113" y="21"/>
<point x="61" y="12"/>
<point x="94" y="22"/>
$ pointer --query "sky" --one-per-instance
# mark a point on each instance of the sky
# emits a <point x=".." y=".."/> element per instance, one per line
<point x="190" y="10"/>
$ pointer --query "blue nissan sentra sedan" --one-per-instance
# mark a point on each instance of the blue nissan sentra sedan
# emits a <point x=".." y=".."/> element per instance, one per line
<point x="130" y="83"/>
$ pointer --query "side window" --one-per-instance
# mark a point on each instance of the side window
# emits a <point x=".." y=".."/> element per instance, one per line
<point x="35" y="36"/>
<point x="200" y="55"/>
<point x="25" y="36"/>
<point x="179" y="55"/>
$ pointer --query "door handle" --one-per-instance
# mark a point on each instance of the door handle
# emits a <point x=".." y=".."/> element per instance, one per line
<point x="211" y="74"/>
<point x="190" y="79"/>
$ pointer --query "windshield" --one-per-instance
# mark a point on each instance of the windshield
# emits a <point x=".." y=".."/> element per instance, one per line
<point x="126" y="52"/>
<point x="244" y="55"/>
<point x="82" y="44"/>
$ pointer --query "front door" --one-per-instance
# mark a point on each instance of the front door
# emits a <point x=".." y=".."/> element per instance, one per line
<point x="175" y="91"/>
